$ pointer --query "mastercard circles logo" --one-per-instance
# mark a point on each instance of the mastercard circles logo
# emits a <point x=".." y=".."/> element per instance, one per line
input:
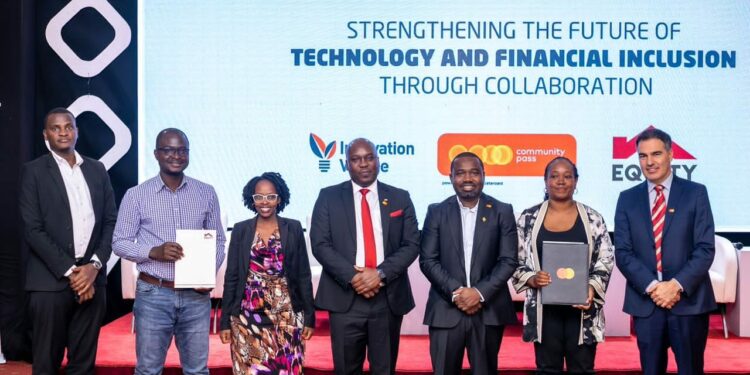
<point x="506" y="154"/>
<point x="565" y="273"/>
<point x="490" y="155"/>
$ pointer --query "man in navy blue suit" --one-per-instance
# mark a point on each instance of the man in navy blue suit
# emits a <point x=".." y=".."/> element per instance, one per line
<point x="664" y="241"/>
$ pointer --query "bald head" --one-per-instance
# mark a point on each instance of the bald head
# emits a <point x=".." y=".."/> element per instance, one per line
<point x="362" y="162"/>
<point x="361" y="142"/>
<point x="174" y="131"/>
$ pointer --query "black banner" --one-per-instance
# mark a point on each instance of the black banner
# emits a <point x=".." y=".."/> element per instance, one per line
<point x="16" y="108"/>
<point x="77" y="54"/>
<point x="87" y="61"/>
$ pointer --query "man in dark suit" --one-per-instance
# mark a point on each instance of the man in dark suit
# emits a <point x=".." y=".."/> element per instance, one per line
<point x="664" y="241"/>
<point x="68" y="210"/>
<point x="364" y="233"/>
<point x="468" y="252"/>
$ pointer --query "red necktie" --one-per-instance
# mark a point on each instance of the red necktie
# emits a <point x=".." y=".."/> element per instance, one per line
<point x="371" y="258"/>
<point x="657" y="219"/>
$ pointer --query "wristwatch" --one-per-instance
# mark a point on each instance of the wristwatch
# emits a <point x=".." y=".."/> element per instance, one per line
<point x="381" y="274"/>
<point x="97" y="264"/>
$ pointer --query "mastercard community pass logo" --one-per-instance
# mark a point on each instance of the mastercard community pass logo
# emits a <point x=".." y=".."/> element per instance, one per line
<point x="506" y="154"/>
<point x="565" y="273"/>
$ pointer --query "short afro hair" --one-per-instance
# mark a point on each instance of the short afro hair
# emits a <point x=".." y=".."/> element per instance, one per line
<point x="279" y="184"/>
<point x="59" y="111"/>
<point x="467" y="154"/>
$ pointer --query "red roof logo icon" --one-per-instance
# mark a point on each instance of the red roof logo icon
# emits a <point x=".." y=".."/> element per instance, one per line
<point x="623" y="148"/>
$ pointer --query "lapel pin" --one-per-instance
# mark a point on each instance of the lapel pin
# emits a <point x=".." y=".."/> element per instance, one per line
<point x="489" y="205"/>
<point x="484" y="219"/>
<point x="671" y="210"/>
<point x="385" y="202"/>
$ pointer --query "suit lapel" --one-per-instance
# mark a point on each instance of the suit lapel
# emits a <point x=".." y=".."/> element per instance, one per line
<point x="284" y="232"/>
<point x="384" y="196"/>
<point x="89" y="174"/>
<point x="454" y="222"/>
<point x="347" y="197"/>
<point x="674" y="197"/>
<point x="644" y="207"/>
<point x="57" y="180"/>
<point x="247" y="238"/>
<point x="484" y="210"/>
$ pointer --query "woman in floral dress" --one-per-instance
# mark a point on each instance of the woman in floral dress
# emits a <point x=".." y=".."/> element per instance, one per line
<point x="268" y="310"/>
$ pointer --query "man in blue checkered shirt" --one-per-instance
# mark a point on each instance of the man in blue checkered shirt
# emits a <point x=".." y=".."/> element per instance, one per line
<point x="149" y="216"/>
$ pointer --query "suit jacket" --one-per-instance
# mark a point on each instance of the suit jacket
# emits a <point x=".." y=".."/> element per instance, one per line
<point x="687" y="247"/>
<point x="494" y="258"/>
<point x="334" y="245"/>
<point x="296" y="269"/>
<point x="48" y="225"/>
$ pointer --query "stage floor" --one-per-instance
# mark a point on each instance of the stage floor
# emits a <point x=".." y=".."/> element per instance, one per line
<point x="116" y="353"/>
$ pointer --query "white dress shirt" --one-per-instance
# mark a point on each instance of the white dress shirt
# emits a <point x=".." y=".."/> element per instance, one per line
<point x="468" y="223"/>
<point x="81" y="208"/>
<point x="377" y="226"/>
<point x="667" y="184"/>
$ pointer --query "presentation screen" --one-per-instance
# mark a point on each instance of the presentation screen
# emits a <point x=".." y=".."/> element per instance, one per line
<point x="285" y="86"/>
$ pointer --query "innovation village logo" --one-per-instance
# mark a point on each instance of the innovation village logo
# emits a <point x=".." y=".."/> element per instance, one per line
<point x="684" y="163"/>
<point x="325" y="152"/>
<point x="322" y="151"/>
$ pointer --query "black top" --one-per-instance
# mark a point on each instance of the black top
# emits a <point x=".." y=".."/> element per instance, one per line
<point x="575" y="234"/>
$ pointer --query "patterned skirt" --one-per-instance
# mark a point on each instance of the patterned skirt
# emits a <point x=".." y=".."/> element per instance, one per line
<point x="268" y="338"/>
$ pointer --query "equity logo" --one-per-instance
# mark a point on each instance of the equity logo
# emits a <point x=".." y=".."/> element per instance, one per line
<point x="506" y="154"/>
<point x="624" y="148"/>
<point x="322" y="151"/>
<point x="565" y="273"/>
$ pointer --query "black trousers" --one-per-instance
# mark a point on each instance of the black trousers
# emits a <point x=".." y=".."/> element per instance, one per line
<point x="368" y="328"/>
<point x="58" y="321"/>
<point x="561" y="326"/>
<point x="685" y="334"/>
<point x="481" y="341"/>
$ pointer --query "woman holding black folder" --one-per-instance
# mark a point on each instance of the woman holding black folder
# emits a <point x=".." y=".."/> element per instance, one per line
<point x="559" y="332"/>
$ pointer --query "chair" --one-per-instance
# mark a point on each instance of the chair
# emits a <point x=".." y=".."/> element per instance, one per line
<point x="218" y="291"/>
<point x="128" y="279"/>
<point x="723" y="274"/>
<point x="2" y="357"/>
<point x="315" y="268"/>
<point x="516" y="297"/>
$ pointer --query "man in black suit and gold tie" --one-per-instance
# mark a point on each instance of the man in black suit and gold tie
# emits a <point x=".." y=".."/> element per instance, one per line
<point x="468" y="252"/>
<point x="69" y="212"/>
<point x="364" y="233"/>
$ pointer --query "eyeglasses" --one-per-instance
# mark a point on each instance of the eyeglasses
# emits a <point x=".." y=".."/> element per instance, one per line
<point x="169" y="151"/>
<point x="257" y="198"/>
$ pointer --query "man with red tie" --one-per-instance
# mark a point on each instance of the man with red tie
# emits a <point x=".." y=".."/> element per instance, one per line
<point x="364" y="233"/>
<point x="664" y="246"/>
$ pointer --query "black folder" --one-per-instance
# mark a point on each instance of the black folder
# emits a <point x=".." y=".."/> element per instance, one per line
<point x="568" y="266"/>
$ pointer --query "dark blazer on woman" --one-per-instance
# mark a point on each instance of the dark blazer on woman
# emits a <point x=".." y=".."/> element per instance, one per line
<point x="296" y="269"/>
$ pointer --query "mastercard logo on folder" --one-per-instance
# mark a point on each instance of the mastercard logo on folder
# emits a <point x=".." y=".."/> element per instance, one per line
<point x="565" y="273"/>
